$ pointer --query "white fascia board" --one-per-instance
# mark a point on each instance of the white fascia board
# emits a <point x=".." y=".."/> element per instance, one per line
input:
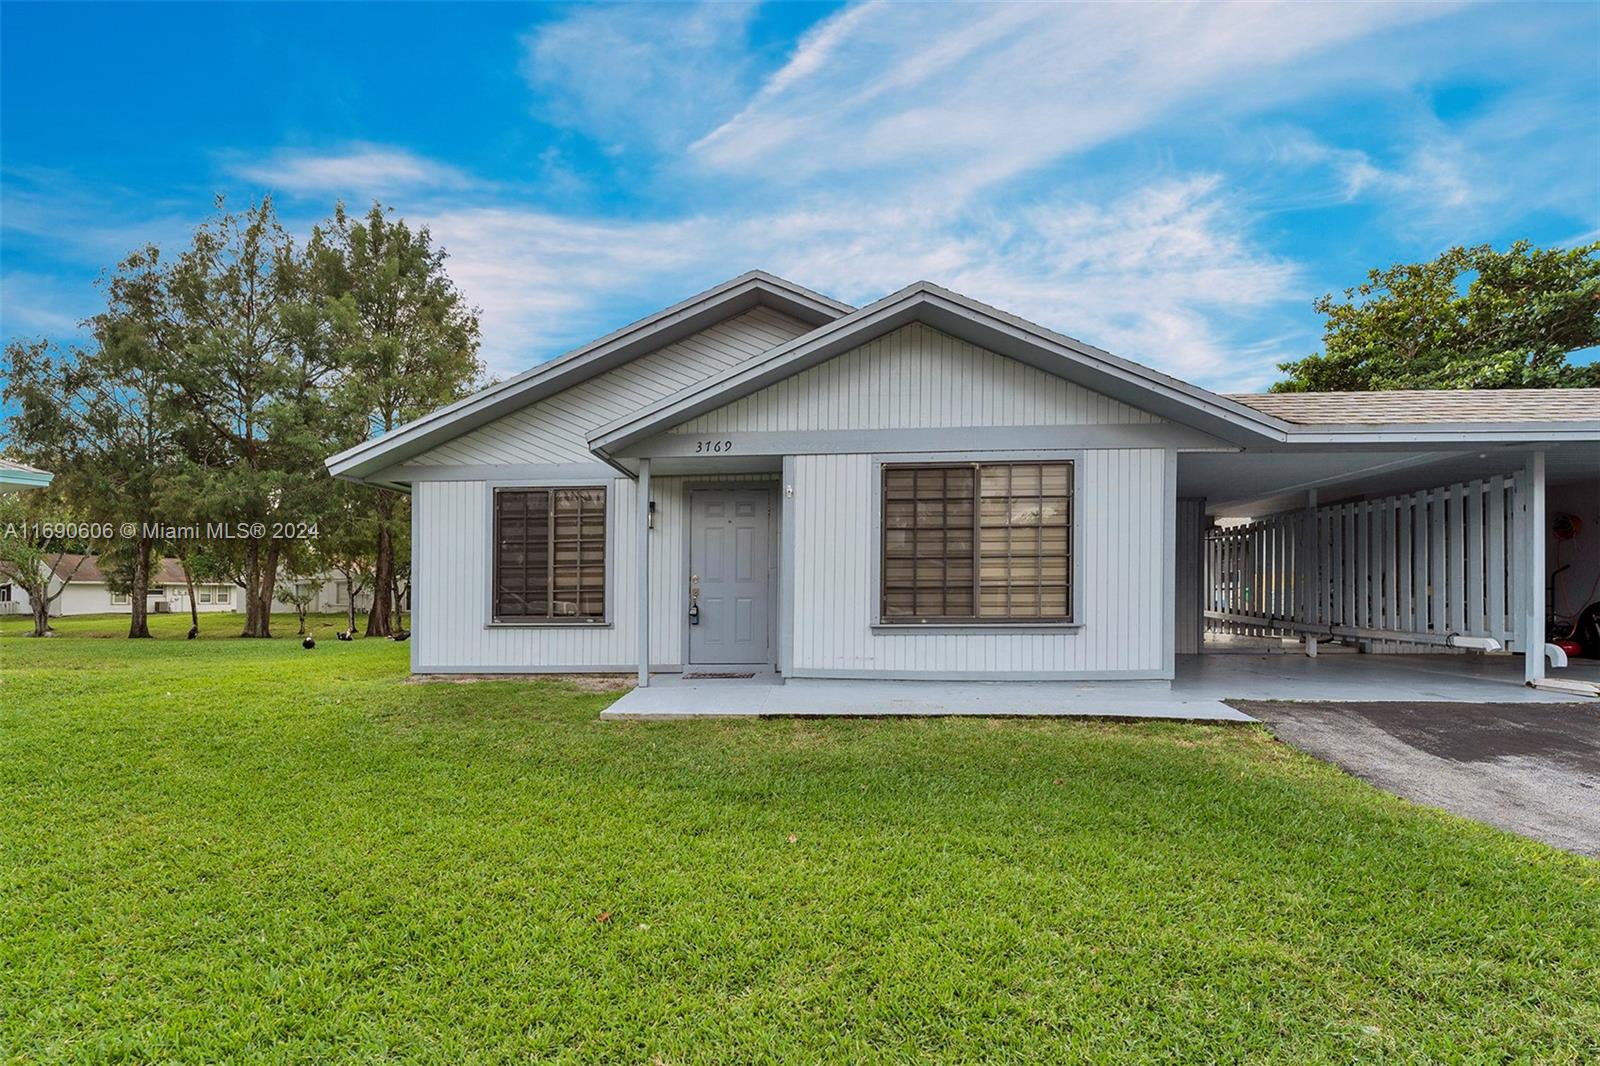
<point x="681" y="319"/>
<point x="982" y="325"/>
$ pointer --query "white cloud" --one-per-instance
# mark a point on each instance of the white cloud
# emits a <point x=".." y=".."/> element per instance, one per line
<point x="1148" y="275"/>
<point x="978" y="93"/>
<point x="359" y="170"/>
<point x="652" y="73"/>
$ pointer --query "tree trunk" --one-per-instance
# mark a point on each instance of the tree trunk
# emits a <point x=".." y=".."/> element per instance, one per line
<point x="350" y="604"/>
<point x="380" y="619"/>
<point x="260" y="576"/>
<point x="139" y="593"/>
<point x="252" y="580"/>
<point x="269" y="584"/>
<point x="40" y="606"/>
<point x="194" y="604"/>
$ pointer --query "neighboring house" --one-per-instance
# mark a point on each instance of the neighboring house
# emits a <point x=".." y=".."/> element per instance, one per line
<point x="333" y="595"/>
<point x="87" y="591"/>
<point x="21" y="476"/>
<point x="929" y="487"/>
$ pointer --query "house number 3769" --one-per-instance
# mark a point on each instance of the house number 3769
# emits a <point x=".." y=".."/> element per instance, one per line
<point x="701" y="446"/>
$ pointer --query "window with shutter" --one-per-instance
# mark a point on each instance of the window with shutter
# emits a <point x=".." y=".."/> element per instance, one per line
<point x="977" y="542"/>
<point x="550" y="554"/>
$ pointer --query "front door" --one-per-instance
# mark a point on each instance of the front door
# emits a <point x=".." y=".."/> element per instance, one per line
<point x="729" y="551"/>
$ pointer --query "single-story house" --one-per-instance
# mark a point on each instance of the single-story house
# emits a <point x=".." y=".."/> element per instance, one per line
<point x="88" y="592"/>
<point x="763" y="478"/>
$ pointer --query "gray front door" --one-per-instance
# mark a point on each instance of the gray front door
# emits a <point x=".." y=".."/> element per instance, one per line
<point x="729" y="549"/>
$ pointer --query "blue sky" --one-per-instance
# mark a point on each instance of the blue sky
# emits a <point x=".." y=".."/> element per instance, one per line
<point x="1174" y="183"/>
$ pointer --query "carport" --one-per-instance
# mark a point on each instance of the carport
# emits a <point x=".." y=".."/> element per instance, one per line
<point x="1415" y="535"/>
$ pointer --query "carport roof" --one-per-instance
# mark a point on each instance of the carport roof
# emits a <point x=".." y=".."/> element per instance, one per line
<point x="1430" y="406"/>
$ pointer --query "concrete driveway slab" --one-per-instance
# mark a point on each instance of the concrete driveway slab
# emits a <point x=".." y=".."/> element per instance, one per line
<point x="1531" y="768"/>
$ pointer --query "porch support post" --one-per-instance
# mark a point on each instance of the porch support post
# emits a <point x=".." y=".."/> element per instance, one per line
<point x="643" y="550"/>
<point x="1308" y="582"/>
<point x="1533" y="568"/>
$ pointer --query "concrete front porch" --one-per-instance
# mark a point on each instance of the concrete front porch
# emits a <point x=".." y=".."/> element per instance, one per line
<point x="765" y="695"/>
<point x="1200" y="692"/>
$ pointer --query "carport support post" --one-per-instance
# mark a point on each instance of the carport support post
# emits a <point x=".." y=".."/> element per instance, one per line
<point x="643" y="549"/>
<point x="1533" y="564"/>
<point x="1308" y="581"/>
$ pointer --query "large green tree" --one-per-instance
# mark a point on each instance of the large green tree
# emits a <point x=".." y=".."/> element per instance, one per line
<point x="253" y="379"/>
<point x="407" y="343"/>
<point x="1473" y="318"/>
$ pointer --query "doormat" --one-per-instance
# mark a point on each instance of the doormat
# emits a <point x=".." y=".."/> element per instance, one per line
<point x="702" y="677"/>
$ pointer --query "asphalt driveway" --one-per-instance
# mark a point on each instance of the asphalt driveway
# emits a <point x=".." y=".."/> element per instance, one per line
<point x="1531" y="768"/>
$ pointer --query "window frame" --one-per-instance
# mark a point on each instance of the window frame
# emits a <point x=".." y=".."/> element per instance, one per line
<point x="882" y="623"/>
<point x="492" y="619"/>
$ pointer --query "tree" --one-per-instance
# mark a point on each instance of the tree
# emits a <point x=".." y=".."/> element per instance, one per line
<point x="408" y="343"/>
<point x="1414" y="325"/>
<point x="99" y="418"/>
<point x="252" y="379"/>
<point x="33" y="551"/>
<point x="299" y="585"/>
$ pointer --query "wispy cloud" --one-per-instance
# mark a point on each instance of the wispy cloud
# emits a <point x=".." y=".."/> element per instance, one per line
<point x="656" y="74"/>
<point x="361" y="170"/>
<point x="980" y="93"/>
<point x="1148" y="275"/>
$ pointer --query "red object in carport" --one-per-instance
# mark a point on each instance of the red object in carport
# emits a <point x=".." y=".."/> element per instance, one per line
<point x="1573" y="649"/>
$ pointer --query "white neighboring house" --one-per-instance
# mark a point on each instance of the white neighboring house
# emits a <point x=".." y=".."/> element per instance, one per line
<point x="87" y="591"/>
<point x="927" y="487"/>
<point x="333" y="597"/>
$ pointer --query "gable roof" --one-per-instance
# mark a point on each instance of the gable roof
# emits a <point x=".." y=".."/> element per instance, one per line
<point x="85" y="569"/>
<point x="1379" y="419"/>
<point x="723" y="301"/>
<point x="973" y="321"/>
<point x="1428" y="405"/>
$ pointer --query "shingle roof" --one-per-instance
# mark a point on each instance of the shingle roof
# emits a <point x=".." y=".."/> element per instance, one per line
<point x="21" y="468"/>
<point x="1428" y="405"/>
<point x="86" y="568"/>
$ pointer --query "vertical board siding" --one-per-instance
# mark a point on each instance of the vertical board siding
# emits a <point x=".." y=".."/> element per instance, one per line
<point x="556" y="429"/>
<point x="1436" y="562"/>
<point x="452" y="557"/>
<point x="1121" y="501"/>
<point x="916" y="378"/>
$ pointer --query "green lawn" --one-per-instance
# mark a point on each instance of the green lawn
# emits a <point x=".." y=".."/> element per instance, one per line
<point x="229" y="849"/>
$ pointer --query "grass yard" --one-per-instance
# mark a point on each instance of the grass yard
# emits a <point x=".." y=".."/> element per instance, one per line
<point x="229" y="849"/>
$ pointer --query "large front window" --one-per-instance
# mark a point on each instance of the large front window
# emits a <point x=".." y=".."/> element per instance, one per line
<point x="977" y="542"/>
<point x="550" y="555"/>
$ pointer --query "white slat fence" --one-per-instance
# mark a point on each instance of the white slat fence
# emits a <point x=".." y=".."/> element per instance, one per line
<point x="1418" y="568"/>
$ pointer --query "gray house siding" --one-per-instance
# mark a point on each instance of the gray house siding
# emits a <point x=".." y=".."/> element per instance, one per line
<point x="451" y="560"/>
<point x="916" y="377"/>
<point x="892" y="390"/>
<point x="1122" y="505"/>
<point x="555" y="430"/>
